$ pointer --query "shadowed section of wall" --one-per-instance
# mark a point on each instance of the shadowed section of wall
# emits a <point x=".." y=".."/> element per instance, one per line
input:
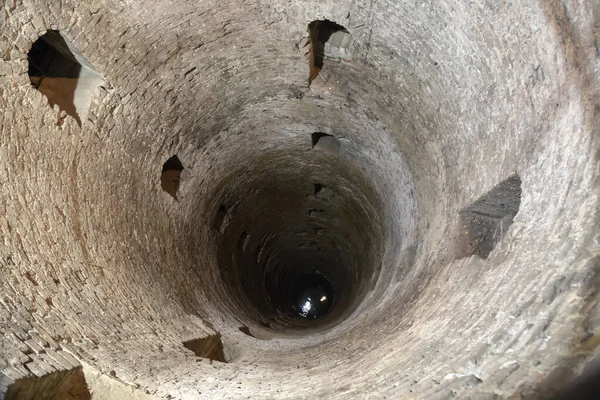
<point x="438" y="180"/>
<point x="68" y="385"/>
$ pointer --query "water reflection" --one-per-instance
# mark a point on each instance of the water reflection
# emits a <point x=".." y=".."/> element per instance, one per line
<point x="313" y="296"/>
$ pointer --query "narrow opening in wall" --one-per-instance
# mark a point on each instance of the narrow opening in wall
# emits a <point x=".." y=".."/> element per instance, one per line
<point x="327" y="40"/>
<point x="221" y="220"/>
<point x="325" y="142"/>
<point x="484" y="223"/>
<point x="62" y="74"/>
<point x="245" y="330"/>
<point x="259" y="335"/>
<point x="171" y="176"/>
<point x="316" y="136"/>
<point x="210" y="347"/>
<point x="244" y="241"/>
<point x="64" y="385"/>
<point x="323" y="192"/>
<point x="259" y="253"/>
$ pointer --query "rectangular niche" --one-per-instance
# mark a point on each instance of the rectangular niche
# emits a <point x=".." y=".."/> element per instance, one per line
<point x="62" y="74"/>
<point x="210" y="347"/>
<point x="327" y="40"/>
<point x="60" y="385"/>
<point x="484" y="223"/>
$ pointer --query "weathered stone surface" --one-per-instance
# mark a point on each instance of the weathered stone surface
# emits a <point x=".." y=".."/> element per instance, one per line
<point x="441" y="101"/>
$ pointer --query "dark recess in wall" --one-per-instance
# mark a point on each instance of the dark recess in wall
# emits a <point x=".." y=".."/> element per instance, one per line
<point x="171" y="175"/>
<point x="484" y="223"/>
<point x="319" y="33"/>
<point x="220" y="217"/>
<point x="54" y="71"/>
<point x="245" y="330"/>
<point x="316" y="136"/>
<point x="210" y="347"/>
<point x="326" y="143"/>
<point x="60" y="385"/>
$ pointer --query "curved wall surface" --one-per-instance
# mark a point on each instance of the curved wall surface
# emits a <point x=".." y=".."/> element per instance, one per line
<point x="442" y="176"/>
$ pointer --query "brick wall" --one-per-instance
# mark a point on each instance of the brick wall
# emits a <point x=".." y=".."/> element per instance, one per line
<point x="441" y="101"/>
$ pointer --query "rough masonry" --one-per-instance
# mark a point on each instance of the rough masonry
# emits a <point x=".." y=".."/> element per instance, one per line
<point x="440" y="102"/>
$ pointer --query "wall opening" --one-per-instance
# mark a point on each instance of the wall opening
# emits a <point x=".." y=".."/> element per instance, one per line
<point x="325" y="142"/>
<point x="316" y="136"/>
<point x="63" y="75"/>
<point x="327" y="40"/>
<point x="245" y="330"/>
<point x="322" y="192"/>
<point x="171" y="176"/>
<point x="210" y="347"/>
<point x="222" y="218"/>
<point x="244" y="241"/>
<point x="63" y="385"/>
<point x="484" y="223"/>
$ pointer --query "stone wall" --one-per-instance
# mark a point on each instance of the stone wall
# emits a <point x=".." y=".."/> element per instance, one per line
<point x="441" y="101"/>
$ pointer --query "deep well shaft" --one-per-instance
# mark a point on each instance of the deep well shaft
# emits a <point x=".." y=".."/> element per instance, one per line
<point x="185" y="216"/>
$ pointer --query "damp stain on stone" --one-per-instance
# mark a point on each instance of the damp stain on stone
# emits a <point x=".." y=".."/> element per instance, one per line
<point x="322" y="192"/>
<point x="317" y="188"/>
<point x="244" y="241"/>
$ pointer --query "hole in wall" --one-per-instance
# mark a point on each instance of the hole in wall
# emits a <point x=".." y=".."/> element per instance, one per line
<point x="259" y="253"/>
<point x="221" y="218"/>
<point x="246" y="331"/>
<point x="63" y="75"/>
<point x="485" y="222"/>
<point x="63" y="385"/>
<point x="316" y="136"/>
<point x="326" y="143"/>
<point x="210" y="347"/>
<point x="171" y="176"/>
<point x="323" y="192"/>
<point x="327" y="40"/>
<point x="244" y="241"/>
